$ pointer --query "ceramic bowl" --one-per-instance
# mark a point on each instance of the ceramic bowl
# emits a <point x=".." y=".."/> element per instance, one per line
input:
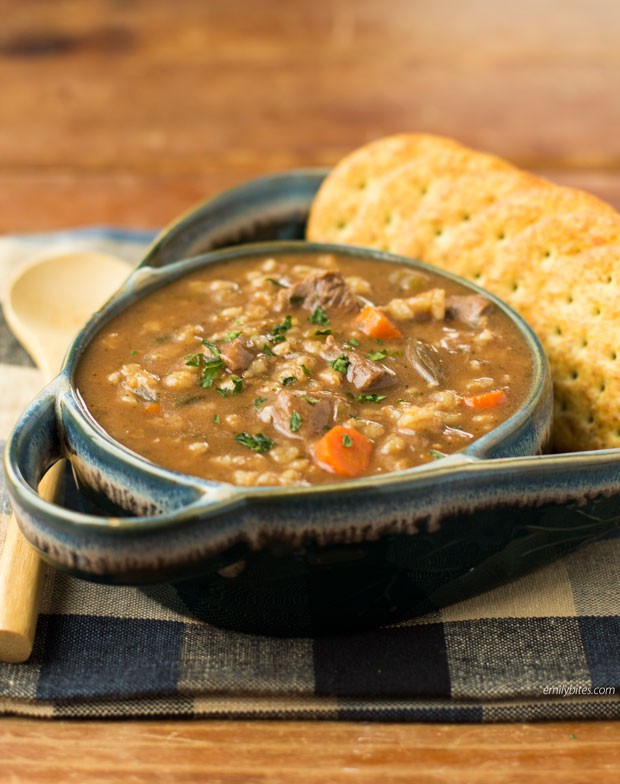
<point x="292" y="561"/>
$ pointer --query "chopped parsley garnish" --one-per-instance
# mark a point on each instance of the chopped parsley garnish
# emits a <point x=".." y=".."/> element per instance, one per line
<point x="276" y="334"/>
<point x="366" y="397"/>
<point x="286" y="382"/>
<point x="134" y="352"/>
<point x="341" y="363"/>
<point x="351" y="343"/>
<point x="319" y="316"/>
<point x="257" y="442"/>
<point x="259" y="402"/>
<point x="311" y="400"/>
<point x="267" y="350"/>
<point x="323" y="332"/>
<point x="186" y="400"/>
<point x="295" y="422"/>
<point x="277" y="283"/>
<point x="377" y="355"/>
<point x="212" y="347"/>
<point x="216" y="419"/>
<point x="305" y="370"/>
<point x="210" y="371"/>
<point x="347" y="440"/>
<point x="232" y="335"/>
<point x="435" y="454"/>
<point x="236" y="389"/>
<point x="194" y="360"/>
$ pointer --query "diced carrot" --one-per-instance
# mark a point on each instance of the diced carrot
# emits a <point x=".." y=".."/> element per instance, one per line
<point x="374" y="323"/>
<point x="343" y="451"/>
<point x="152" y="408"/>
<point x="485" y="400"/>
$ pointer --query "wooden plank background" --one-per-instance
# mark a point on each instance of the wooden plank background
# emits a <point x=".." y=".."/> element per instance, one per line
<point x="127" y="113"/>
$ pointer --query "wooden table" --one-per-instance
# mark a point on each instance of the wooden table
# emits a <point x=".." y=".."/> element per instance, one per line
<point x="128" y="113"/>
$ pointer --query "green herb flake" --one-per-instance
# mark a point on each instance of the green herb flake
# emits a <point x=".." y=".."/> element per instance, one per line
<point x="230" y="336"/>
<point x="193" y="360"/>
<point x="323" y="332"/>
<point x="210" y="372"/>
<point x="212" y="347"/>
<point x="286" y="382"/>
<point x="319" y="316"/>
<point x="277" y="283"/>
<point x="366" y="397"/>
<point x="216" y="419"/>
<point x="134" y="352"/>
<point x="267" y="350"/>
<point x="276" y="335"/>
<point x="259" y="402"/>
<point x="305" y="370"/>
<point x="186" y="400"/>
<point x="295" y="422"/>
<point x="377" y="355"/>
<point x="310" y="400"/>
<point x="341" y="364"/>
<point x="257" y="443"/>
<point x="435" y="454"/>
<point x="237" y="387"/>
<point x="347" y="440"/>
<point x="351" y="343"/>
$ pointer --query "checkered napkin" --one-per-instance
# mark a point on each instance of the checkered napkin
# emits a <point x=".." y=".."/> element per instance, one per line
<point x="546" y="646"/>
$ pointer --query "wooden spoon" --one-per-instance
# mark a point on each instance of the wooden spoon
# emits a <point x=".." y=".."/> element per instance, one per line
<point x="45" y="304"/>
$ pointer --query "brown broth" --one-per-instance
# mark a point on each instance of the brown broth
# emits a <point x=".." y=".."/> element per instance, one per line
<point x="222" y="375"/>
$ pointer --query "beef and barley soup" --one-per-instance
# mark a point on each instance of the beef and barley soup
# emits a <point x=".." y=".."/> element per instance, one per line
<point x="296" y="370"/>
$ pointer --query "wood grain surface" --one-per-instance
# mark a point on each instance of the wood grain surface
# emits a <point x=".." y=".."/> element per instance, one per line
<point x="306" y="752"/>
<point x="128" y="113"/>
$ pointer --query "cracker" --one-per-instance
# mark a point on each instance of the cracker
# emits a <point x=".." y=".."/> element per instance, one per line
<point x="451" y="202"/>
<point x="476" y="248"/>
<point x="576" y="315"/>
<point x="390" y="207"/>
<point x="552" y="253"/>
<point x="349" y="184"/>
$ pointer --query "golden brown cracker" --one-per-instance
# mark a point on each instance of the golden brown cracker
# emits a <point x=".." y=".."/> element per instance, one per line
<point x="552" y="253"/>
<point x="389" y="208"/>
<point x="451" y="202"/>
<point x="576" y="313"/>
<point x="350" y="182"/>
<point x="475" y="249"/>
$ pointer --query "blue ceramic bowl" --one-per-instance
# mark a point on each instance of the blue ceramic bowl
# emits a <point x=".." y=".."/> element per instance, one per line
<point x="301" y="560"/>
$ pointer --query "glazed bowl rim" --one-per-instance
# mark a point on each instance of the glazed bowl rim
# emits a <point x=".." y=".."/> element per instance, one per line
<point x="145" y="279"/>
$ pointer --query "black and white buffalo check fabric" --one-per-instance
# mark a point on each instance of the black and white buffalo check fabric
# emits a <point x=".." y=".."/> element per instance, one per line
<point x="544" y="647"/>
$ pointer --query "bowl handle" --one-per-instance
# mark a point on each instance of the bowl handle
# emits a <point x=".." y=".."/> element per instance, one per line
<point x="36" y="444"/>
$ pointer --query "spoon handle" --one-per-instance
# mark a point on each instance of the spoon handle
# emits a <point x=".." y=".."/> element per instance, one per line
<point x="21" y="581"/>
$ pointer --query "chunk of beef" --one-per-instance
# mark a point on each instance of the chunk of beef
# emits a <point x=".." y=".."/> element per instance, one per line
<point x="468" y="308"/>
<point x="326" y="289"/>
<point x="365" y="374"/>
<point x="426" y="360"/>
<point x="236" y="355"/>
<point x="314" y="412"/>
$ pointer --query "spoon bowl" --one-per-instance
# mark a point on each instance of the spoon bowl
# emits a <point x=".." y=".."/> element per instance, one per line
<point x="45" y="304"/>
<point x="48" y="301"/>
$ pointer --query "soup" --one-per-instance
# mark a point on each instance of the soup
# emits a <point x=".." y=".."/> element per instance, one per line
<point x="304" y="369"/>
